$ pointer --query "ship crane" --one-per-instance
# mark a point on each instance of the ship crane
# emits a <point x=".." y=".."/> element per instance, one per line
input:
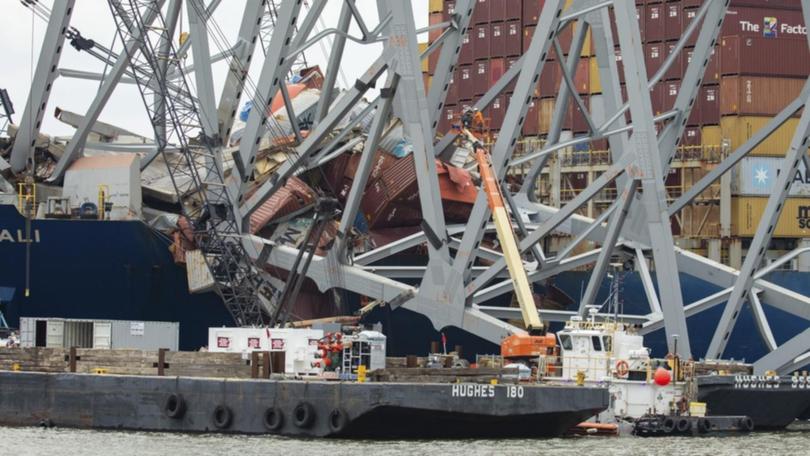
<point x="517" y="347"/>
<point x="198" y="175"/>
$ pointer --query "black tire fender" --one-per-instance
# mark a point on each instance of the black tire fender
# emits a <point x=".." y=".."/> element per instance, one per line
<point x="338" y="421"/>
<point x="222" y="417"/>
<point x="684" y="425"/>
<point x="746" y="424"/>
<point x="668" y="425"/>
<point x="704" y="425"/>
<point x="273" y="418"/>
<point x="303" y="415"/>
<point x="174" y="406"/>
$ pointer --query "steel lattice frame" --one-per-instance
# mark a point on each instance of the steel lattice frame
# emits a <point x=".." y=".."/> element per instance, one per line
<point x="453" y="289"/>
<point x="197" y="174"/>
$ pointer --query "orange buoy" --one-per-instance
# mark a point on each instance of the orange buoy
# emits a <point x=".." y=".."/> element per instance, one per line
<point x="662" y="377"/>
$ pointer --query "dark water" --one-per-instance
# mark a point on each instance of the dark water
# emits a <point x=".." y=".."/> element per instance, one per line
<point x="52" y="442"/>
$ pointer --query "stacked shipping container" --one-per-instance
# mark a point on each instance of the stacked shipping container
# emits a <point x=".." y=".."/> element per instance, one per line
<point x="759" y="65"/>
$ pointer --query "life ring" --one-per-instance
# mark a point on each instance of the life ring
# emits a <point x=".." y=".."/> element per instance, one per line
<point x="174" y="406"/>
<point x="273" y="419"/>
<point x="622" y="368"/>
<point x="222" y="416"/>
<point x="338" y="421"/>
<point x="303" y="415"/>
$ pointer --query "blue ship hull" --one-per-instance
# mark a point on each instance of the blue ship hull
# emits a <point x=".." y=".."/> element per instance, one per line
<point x="124" y="270"/>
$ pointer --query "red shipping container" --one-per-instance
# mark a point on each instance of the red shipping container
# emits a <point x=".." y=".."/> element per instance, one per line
<point x="514" y="42"/>
<point x="480" y="77"/>
<point x="673" y="20"/>
<point x="465" y="84"/>
<point x="434" y="19"/>
<point x="495" y="112"/>
<point x="531" y="121"/>
<point x="467" y="53"/>
<point x="671" y="90"/>
<point x="513" y="10"/>
<point x="446" y="119"/>
<point x="619" y="64"/>
<point x="497" y="10"/>
<point x="655" y="25"/>
<point x="528" y="33"/>
<point x="675" y="70"/>
<point x="510" y="62"/>
<point x="657" y="97"/>
<point x="582" y="78"/>
<point x="449" y="9"/>
<point x="497" y="33"/>
<point x="481" y="42"/>
<point x="764" y="57"/>
<point x="692" y="3"/>
<point x="709" y="105"/>
<point x="692" y="136"/>
<point x="531" y="11"/>
<point x="688" y="15"/>
<point x="481" y="12"/>
<point x="496" y="70"/>
<point x="785" y="4"/>
<point x="578" y="122"/>
<point x="761" y="21"/>
<point x="653" y="57"/>
<point x="550" y="80"/>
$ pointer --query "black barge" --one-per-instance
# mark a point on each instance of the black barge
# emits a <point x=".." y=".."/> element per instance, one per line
<point x="294" y="407"/>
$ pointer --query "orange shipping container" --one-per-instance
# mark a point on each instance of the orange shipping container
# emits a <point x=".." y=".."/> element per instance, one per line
<point x="746" y="212"/>
<point x="739" y="129"/>
<point x="756" y="95"/>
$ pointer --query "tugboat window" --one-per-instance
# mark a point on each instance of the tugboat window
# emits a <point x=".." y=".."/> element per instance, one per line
<point x="565" y="342"/>
<point x="597" y="343"/>
<point x="608" y="343"/>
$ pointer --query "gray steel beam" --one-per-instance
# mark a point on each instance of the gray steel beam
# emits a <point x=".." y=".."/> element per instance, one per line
<point x="556" y="219"/>
<point x="783" y="358"/>
<point x="239" y="66"/>
<point x="650" y="172"/>
<point x="76" y="144"/>
<point x="272" y="76"/>
<point x="165" y="44"/>
<point x="446" y="63"/>
<point x="360" y="178"/>
<point x="558" y="316"/>
<point x="614" y="229"/>
<point x="762" y="238"/>
<point x="761" y="322"/>
<point x="200" y="51"/>
<point x="333" y="66"/>
<point x="44" y="76"/>
<point x="646" y="280"/>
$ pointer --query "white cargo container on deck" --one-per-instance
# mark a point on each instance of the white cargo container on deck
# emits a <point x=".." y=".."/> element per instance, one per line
<point x="300" y="346"/>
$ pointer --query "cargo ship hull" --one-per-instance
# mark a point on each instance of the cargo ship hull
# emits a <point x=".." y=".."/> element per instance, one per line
<point x="123" y="270"/>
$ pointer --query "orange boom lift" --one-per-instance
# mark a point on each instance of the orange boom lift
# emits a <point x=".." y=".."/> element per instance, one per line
<point x="517" y="347"/>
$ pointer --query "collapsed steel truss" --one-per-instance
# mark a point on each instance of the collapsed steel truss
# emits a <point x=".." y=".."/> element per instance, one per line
<point x="454" y="291"/>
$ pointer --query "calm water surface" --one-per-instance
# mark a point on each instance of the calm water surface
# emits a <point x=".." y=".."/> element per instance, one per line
<point x="53" y="442"/>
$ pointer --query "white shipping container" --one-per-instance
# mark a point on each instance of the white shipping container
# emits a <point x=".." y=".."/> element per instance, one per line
<point x="299" y="345"/>
<point x="99" y="334"/>
<point x="756" y="176"/>
<point x="199" y="276"/>
<point x="118" y="174"/>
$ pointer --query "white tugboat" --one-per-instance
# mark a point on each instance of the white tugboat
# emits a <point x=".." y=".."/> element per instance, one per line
<point x="611" y="354"/>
